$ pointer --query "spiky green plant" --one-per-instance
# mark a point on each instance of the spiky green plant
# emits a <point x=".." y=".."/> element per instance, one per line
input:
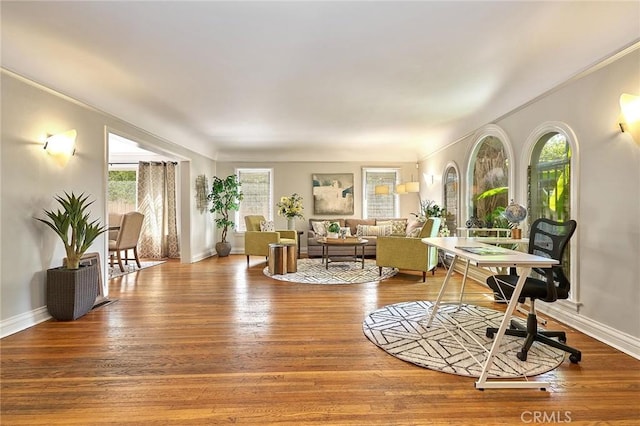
<point x="73" y="226"/>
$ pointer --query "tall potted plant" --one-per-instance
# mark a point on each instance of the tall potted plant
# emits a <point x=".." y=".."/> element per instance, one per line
<point x="72" y="288"/>
<point x="225" y="197"/>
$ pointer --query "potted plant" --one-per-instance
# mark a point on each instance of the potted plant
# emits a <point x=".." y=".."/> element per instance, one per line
<point x="72" y="288"/>
<point x="333" y="230"/>
<point x="225" y="196"/>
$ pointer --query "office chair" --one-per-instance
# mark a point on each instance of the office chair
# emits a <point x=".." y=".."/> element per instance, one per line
<point x="548" y="239"/>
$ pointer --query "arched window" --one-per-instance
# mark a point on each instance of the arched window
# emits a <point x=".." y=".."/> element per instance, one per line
<point x="549" y="178"/>
<point x="451" y="197"/>
<point x="551" y="186"/>
<point x="488" y="181"/>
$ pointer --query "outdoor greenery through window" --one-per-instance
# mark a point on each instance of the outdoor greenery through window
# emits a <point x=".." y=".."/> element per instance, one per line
<point x="380" y="206"/>
<point x="258" y="198"/>
<point x="121" y="191"/>
<point x="549" y="179"/>
<point x="490" y="185"/>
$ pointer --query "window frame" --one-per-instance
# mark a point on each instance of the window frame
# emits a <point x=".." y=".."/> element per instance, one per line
<point x="238" y="215"/>
<point x="454" y="166"/>
<point x="392" y="193"/>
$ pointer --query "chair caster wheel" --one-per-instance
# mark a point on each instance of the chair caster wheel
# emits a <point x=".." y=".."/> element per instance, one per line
<point x="562" y="339"/>
<point x="490" y="334"/>
<point x="575" y="358"/>
<point x="522" y="356"/>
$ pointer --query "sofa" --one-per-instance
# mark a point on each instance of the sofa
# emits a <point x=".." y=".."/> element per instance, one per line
<point x="369" y="229"/>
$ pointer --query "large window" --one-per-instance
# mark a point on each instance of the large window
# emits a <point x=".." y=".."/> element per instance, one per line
<point x="549" y="178"/>
<point x="380" y="205"/>
<point x="258" y="195"/>
<point x="121" y="191"/>
<point x="489" y="185"/>
<point x="451" y="188"/>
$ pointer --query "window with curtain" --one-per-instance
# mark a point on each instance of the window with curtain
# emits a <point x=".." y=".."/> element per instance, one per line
<point x="258" y="195"/>
<point x="380" y="205"/>
<point x="451" y="185"/>
<point x="489" y="187"/>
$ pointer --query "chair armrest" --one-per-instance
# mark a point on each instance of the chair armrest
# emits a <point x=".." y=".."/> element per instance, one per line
<point x="290" y="234"/>
<point x="262" y="237"/>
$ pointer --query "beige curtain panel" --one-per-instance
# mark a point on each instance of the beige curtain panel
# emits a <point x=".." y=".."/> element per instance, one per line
<point x="157" y="201"/>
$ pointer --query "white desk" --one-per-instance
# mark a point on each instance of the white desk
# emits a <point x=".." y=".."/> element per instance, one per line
<point x="502" y="258"/>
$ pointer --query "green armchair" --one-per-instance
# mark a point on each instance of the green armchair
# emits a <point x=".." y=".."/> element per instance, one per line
<point x="409" y="253"/>
<point x="256" y="242"/>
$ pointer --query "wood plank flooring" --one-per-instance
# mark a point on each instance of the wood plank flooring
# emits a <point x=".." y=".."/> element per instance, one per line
<point x="216" y="342"/>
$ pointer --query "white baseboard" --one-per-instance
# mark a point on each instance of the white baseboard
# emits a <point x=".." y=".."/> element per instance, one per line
<point x="622" y="341"/>
<point x="23" y="321"/>
<point x="204" y="255"/>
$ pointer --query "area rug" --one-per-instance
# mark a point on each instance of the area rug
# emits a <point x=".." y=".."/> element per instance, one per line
<point x="114" y="271"/>
<point x="401" y="331"/>
<point x="313" y="271"/>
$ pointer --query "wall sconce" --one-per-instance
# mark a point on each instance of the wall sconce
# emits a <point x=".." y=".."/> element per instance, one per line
<point x="630" y="107"/>
<point x="381" y="190"/>
<point x="63" y="144"/>
<point x="401" y="189"/>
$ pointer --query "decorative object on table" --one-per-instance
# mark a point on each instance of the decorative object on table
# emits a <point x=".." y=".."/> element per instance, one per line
<point x="201" y="193"/>
<point x="399" y="330"/>
<point x="333" y="230"/>
<point x="429" y="208"/>
<point x="474" y="222"/>
<point x="225" y="196"/>
<point x="313" y="271"/>
<point x="515" y="213"/>
<point x="290" y="207"/>
<point x="72" y="289"/>
<point x="332" y="193"/>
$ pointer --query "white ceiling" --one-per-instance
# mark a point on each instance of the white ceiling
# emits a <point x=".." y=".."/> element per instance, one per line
<point x="267" y="80"/>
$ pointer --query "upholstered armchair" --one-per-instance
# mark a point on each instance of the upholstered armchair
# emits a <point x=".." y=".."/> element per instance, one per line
<point x="409" y="253"/>
<point x="256" y="242"/>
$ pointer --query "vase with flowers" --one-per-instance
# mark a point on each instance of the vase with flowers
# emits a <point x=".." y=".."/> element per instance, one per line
<point x="290" y="207"/>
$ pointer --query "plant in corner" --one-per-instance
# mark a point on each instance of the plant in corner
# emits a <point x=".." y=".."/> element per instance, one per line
<point x="225" y="196"/>
<point x="72" y="288"/>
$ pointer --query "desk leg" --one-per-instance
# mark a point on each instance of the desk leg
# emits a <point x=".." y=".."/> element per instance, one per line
<point x="482" y="381"/>
<point x="464" y="282"/>
<point x="434" y="310"/>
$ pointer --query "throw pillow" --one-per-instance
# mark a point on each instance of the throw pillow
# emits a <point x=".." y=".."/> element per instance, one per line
<point x="398" y="227"/>
<point x="319" y="228"/>
<point x="267" y="226"/>
<point x="346" y="231"/>
<point x="414" y="228"/>
<point x="373" y="231"/>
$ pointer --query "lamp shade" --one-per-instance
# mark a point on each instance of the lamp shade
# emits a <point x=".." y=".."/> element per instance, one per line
<point x="381" y="190"/>
<point x="413" y="186"/>
<point x="61" y="143"/>
<point x="401" y="188"/>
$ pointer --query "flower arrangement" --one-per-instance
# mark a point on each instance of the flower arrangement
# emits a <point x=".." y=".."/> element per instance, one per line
<point x="429" y="208"/>
<point x="290" y="207"/>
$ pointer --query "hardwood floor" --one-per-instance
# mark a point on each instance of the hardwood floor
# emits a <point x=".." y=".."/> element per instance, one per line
<point x="215" y="343"/>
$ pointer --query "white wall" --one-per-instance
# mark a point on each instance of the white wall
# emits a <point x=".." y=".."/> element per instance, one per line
<point x="608" y="201"/>
<point x="30" y="179"/>
<point x="293" y="177"/>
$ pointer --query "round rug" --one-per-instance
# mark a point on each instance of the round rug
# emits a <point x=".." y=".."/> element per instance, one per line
<point x="401" y="331"/>
<point x="313" y="271"/>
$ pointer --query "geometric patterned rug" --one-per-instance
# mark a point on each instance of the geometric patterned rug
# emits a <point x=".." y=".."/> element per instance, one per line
<point x="312" y="271"/>
<point x="401" y="331"/>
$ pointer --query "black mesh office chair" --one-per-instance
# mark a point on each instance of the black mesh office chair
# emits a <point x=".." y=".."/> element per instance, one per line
<point x="549" y="239"/>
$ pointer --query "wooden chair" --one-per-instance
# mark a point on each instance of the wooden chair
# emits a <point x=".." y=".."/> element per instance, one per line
<point x="127" y="239"/>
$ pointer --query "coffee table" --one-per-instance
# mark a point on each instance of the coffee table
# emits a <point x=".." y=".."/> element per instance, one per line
<point x="342" y="242"/>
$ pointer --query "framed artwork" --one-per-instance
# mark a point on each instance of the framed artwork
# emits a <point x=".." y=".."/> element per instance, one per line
<point x="332" y="193"/>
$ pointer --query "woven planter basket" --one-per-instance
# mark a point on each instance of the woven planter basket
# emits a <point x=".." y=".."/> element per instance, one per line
<point x="71" y="293"/>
